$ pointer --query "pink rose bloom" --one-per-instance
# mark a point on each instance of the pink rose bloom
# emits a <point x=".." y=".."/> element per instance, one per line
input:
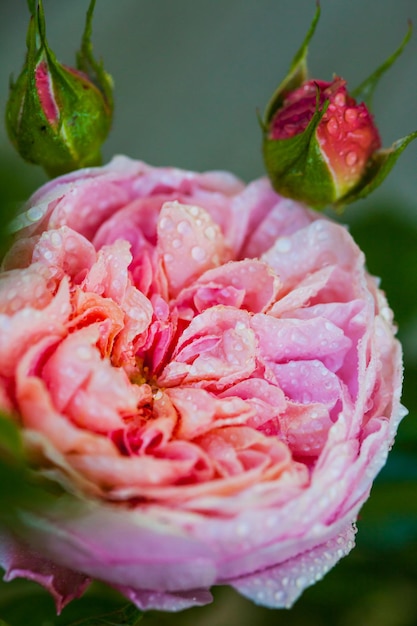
<point x="208" y="368"/>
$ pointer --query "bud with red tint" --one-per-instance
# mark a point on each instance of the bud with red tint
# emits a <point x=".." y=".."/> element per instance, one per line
<point x="57" y="116"/>
<point x="321" y="145"/>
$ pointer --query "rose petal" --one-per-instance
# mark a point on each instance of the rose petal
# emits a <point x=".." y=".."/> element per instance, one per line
<point x="20" y="561"/>
<point x="189" y="243"/>
<point x="280" y="586"/>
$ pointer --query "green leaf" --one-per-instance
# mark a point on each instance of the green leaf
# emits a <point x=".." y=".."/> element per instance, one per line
<point x="126" y="616"/>
<point x="21" y="490"/>
<point x="378" y="169"/>
<point x="297" y="73"/>
<point x="365" y="90"/>
<point x="10" y="441"/>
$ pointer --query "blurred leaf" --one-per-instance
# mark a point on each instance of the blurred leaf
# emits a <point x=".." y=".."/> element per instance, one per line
<point x="127" y="616"/>
<point x="390" y="245"/>
<point x="20" y="489"/>
<point x="29" y="609"/>
<point x="17" y="181"/>
<point x="26" y="603"/>
<point x="10" y="442"/>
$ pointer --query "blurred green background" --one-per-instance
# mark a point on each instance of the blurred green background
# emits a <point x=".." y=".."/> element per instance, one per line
<point x="189" y="78"/>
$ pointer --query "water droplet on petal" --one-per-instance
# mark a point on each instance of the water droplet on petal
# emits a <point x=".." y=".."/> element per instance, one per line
<point x="166" y="223"/>
<point x="283" y="244"/>
<point x="83" y="353"/>
<point x="351" y="115"/>
<point x="351" y="158"/>
<point x="184" y="227"/>
<point x="210" y="233"/>
<point x="198" y="253"/>
<point x="333" y="126"/>
<point x="35" y="213"/>
<point x="340" y="99"/>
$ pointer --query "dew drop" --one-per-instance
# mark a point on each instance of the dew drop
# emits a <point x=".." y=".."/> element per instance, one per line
<point x="340" y="99"/>
<point x="166" y="223"/>
<point x="210" y="233"/>
<point x="300" y="582"/>
<point x="184" y="228"/>
<point x="333" y="126"/>
<point x="176" y="243"/>
<point x="351" y="158"/>
<point x="279" y="596"/>
<point x="283" y="245"/>
<point x="56" y="239"/>
<point x="35" y="213"/>
<point x="198" y="253"/>
<point x="83" y="353"/>
<point x="351" y="115"/>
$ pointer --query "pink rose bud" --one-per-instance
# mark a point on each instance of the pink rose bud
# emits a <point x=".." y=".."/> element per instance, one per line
<point x="321" y="146"/>
<point x="58" y="116"/>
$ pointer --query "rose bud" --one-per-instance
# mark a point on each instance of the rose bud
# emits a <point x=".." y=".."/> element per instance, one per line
<point x="321" y="146"/>
<point x="58" y="116"/>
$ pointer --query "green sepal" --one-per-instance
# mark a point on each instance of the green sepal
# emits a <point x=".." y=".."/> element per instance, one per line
<point x="365" y="91"/>
<point x="378" y="168"/>
<point x="89" y="65"/>
<point x="296" y="166"/>
<point x="296" y="76"/>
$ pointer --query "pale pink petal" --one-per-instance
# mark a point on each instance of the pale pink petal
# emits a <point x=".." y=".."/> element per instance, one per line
<point x="86" y="387"/>
<point x="283" y="340"/>
<point x="308" y="382"/>
<point x="266" y="400"/>
<point x="20" y="288"/>
<point x="66" y="252"/>
<point x="163" y="601"/>
<point x="280" y="586"/>
<point x="328" y="284"/>
<point x="29" y="325"/>
<point x="246" y="284"/>
<point x="125" y="548"/>
<point x="218" y="346"/>
<point x="309" y="249"/>
<point x="283" y="217"/>
<point x="305" y="428"/>
<point x="200" y="411"/>
<point x="189" y="243"/>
